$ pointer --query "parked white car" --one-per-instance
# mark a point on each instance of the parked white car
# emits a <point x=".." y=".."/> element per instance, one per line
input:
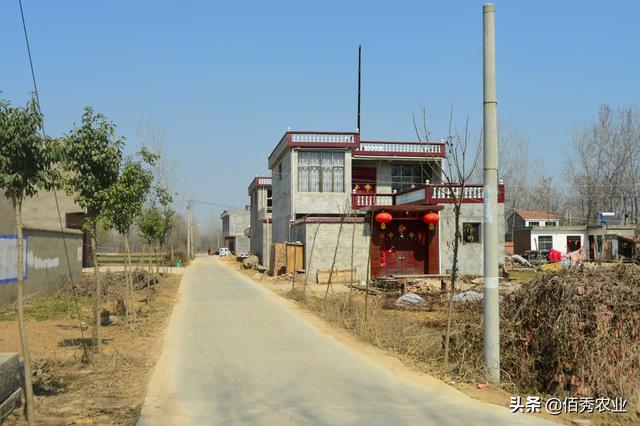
<point x="224" y="251"/>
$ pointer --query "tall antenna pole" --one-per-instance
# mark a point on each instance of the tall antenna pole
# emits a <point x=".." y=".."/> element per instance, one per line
<point x="491" y="297"/>
<point x="359" y="84"/>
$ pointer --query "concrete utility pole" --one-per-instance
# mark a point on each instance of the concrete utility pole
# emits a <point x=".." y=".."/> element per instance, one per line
<point x="491" y="297"/>
<point x="189" y="241"/>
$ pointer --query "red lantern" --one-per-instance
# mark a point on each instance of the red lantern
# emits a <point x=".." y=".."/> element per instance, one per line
<point x="383" y="218"/>
<point x="431" y="219"/>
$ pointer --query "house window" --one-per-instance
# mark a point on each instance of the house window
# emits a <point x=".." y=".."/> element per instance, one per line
<point x="534" y="223"/>
<point x="280" y="171"/>
<point x="545" y="242"/>
<point x="269" y="199"/>
<point x="471" y="232"/>
<point x="573" y="243"/>
<point x="551" y="224"/>
<point x="320" y="171"/>
<point x="405" y="177"/>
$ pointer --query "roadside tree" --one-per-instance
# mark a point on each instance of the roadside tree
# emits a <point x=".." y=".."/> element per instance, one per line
<point x="27" y="165"/>
<point x="124" y="205"/>
<point x="92" y="158"/>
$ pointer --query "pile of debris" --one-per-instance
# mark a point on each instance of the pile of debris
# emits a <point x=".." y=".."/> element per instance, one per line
<point x="571" y="332"/>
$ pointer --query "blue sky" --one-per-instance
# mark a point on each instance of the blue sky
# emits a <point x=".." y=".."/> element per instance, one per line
<point x="225" y="79"/>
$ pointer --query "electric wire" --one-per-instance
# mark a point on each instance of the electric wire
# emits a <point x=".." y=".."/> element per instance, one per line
<point x="55" y="192"/>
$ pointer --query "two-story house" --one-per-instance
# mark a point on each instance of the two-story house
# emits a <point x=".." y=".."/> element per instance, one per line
<point x="235" y="230"/>
<point x="260" y="218"/>
<point x="329" y="188"/>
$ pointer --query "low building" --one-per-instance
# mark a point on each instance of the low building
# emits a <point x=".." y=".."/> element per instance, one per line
<point x="235" y="230"/>
<point x="329" y="186"/>
<point x="260" y="226"/>
<point x="599" y="242"/>
<point x="46" y="262"/>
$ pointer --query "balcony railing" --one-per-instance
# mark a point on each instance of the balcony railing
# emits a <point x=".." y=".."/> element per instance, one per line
<point x="430" y="194"/>
<point x="259" y="182"/>
<point x="359" y="201"/>
<point x="266" y="181"/>
<point x="443" y="194"/>
<point x="400" y="149"/>
<point x="322" y="138"/>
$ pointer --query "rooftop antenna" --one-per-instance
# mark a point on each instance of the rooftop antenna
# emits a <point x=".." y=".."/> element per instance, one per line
<point x="359" y="84"/>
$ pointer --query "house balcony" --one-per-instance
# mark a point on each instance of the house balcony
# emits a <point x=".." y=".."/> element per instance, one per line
<point x="429" y="194"/>
<point x="351" y="140"/>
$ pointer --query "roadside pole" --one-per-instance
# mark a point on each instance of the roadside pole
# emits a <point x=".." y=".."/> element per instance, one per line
<point x="491" y="297"/>
<point x="188" y="230"/>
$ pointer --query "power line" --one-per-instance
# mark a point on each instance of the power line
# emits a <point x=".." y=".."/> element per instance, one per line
<point x="55" y="192"/>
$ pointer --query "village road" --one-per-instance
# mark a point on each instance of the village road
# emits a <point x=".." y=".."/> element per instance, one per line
<point x="236" y="355"/>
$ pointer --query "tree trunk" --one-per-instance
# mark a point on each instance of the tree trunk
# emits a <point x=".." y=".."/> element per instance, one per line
<point x="22" y="327"/>
<point x="129" y="277"/>
<point x="454" y="277"/>
<point x="366" y="283"/>
<point x="98" y="287"/>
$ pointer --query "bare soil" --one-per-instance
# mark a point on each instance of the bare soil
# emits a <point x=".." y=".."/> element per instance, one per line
<point x="103" y="389"/>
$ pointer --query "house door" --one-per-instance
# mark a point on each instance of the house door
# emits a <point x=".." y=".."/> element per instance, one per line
<point x="592" y="248"/>
<point x="232" y="245"/>
<point x="404" y="248"/>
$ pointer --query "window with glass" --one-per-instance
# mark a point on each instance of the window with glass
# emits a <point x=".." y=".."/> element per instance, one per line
<point x="269" y="199"/>
<point x="471" y="232"/>
<point x="551" y="223"/>
<point x="534" y="223"/>
<point x="408" y="176"/>
<point x="545" y="242"/>
<point x="320" y="171"/>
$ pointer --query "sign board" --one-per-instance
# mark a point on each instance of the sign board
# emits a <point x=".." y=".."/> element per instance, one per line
<point x="9" y="260"/>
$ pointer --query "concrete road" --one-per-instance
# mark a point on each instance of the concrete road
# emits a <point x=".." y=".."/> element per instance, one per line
<point x="236" y="355"/>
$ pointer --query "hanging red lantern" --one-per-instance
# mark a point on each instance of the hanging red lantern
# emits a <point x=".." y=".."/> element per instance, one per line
<point x="383" y="218"/>
<point x="431" y="219"/>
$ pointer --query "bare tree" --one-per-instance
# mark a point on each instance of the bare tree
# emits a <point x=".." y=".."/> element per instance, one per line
<point x="514" y="167"/>
<point x="603" y="166"/>
<point x="460" y="165"/>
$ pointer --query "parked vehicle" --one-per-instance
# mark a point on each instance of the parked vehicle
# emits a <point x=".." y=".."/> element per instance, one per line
<point x="224" y="251"/>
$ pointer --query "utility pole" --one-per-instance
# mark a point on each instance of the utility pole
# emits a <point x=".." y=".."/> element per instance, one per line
<point x="189" y="242"/>
<point x="491" y="296"/>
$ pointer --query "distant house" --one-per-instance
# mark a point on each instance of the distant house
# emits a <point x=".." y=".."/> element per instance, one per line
<point x="261" y="204"/>
<point x="46" y="263"/>
<point x="522" y="218"/>
<point x="541" y="231"/>
<point x="235" y="230"/>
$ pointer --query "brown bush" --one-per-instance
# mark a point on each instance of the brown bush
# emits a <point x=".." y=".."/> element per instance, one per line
<point x="569" y="332"/>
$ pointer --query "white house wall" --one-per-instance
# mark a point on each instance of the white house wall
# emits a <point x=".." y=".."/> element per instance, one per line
<point x="559" y="238"/>
<point x="470" y="255"/>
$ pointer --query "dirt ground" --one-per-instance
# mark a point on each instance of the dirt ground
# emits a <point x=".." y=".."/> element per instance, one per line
<point x="424" y="366"/>
<point x="110" y="388"/>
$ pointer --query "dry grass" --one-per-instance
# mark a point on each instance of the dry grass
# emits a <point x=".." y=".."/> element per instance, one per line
<point x="413" y="334"/>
